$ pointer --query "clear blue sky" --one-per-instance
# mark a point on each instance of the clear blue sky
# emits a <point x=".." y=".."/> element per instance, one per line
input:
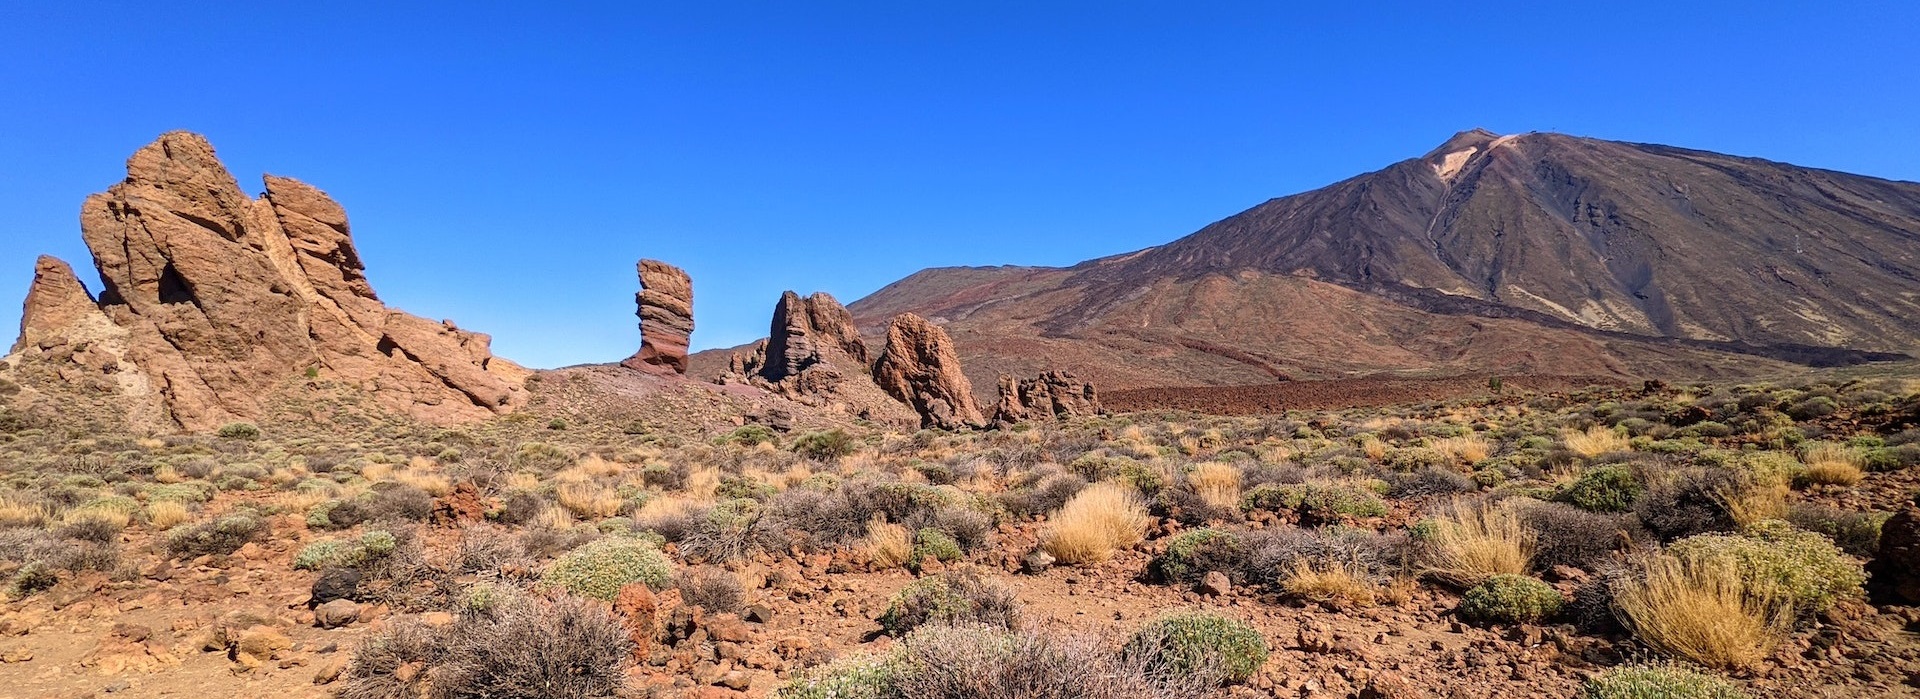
<point x="505" y="167"/>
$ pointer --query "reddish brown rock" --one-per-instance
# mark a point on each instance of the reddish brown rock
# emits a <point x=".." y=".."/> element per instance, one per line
<point x="640" y="612"/>
<point x="808" y="332"/>
<point x="920" y="368"/>
<point x="666" y="319"/>
<point x="1896" y="570"/>
<point x="1051" y="396"/>
<point x="216" y="302"/>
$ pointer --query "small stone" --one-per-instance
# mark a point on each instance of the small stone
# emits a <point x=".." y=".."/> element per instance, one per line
<point x="1036" y="562"/>
<point x="736" y="680"/>
<point x="330" y="670"/>
<point x="759" y="614"/>
<point x="336" y="614"/>
<point x="1215" y="584"/>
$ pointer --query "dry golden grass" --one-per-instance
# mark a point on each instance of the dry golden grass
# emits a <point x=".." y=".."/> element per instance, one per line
<point x="111" y="516"/>
<point x="434" y="484"/>
<point x="1595" y="441"/>
<point x="166" y="473"/>
<point x="1703" y="612"/>
<point x="1189" y="444"/>
<point x="1756" y="504"/>
<point x="702" y="482"/>
<point x="151" y="444"/>
<point x="553" y="518"/>
<point x="1101" y="518"/>
<point x="377" y="472"/>
<point x="1374" y="449"/>
<point x="1471" y="544"/>
<point x="301" y="500"/>
<point x="888" y="545"/>
<point x="595" y="466"/>
<point x="1832" y="464"/>
<point x="1272" y="453"/>
<point x="665" y="505"/>
<point x="589" y="501"/>
<point x="167" y="514"/>
<point x="1336" y="585"/>
<point x="1465" y="450"/>
<point x="1217" y="483"/>
<point x="19" y="512"/>
<point x="522" y="480"/>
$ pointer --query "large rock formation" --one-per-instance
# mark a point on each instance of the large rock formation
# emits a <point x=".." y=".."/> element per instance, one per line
<point x="920" y="368"/>
<point x="1052" y="395"/>
<point x="1896" y="568"/>
<point x="214" y="302"/>
<point x="666" y="319"/>
<point x="813" y="354"/>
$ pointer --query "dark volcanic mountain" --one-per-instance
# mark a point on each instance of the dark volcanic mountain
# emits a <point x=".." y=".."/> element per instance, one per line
<point x="1532" y="253"/>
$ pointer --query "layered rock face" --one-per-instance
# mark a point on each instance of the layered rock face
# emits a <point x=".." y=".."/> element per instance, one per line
<point x="813" y="354"/>
<point x="666" y="319"/>
<point x="213" y="301"/>
<point x="1052" y="395"/>
<point x="920" y="367"/>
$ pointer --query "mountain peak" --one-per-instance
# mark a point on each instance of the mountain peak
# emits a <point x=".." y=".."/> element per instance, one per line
<point x="1471" y="138"/>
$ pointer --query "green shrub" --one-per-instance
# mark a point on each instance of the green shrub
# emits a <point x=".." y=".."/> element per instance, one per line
<point x="933" y="542"/>
<point x="1510" y="599"/>
<point x="221" y="536"/>
<point x="1658" y="682"/>
<point x="860" y="676"/>
<point x="1801" y="566"/>
<point x="824" y="446"/>
<point x="951" y="598"/>
<point x="1182" y="643"/>
<point x="1325" y="503"/>
<point x="190" y="491"/>
<point x="33" y="577"/>
<point x="750" y="435"/>
<point x="239" y="430"/>
<point x="345" y="553"/>
<point x="1897" y="458"/>
<point x="1857" y="533"/>
<point x="1190" y="554"/>
<point x="1604" y="489"/>
<point x="732" y="487"/>
<point x="600" y="568"/>
<point x="1274" y="497"/>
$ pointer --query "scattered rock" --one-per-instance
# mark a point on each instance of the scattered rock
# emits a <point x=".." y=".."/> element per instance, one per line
<point x="1053" y="395"/>
<point x="1036" y="562"/>
<point x="336" y="614"/>
<point x="334" y="584"/>
<point x="666" y="319"/>
<point x="639" y="611"/>
<point x="330" y="670"/>
<point x="1896" y="570"/>
<point x="1214" y="584"/>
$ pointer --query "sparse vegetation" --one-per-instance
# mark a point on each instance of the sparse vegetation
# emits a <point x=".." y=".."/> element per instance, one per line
<point x="599" y="569"/>
<point x="1098" y="520"/>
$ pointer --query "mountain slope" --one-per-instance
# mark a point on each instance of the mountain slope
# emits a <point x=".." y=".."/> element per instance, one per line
<point x="1531" y="253"/>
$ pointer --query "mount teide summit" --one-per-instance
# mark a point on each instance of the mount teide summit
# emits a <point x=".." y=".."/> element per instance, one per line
<point x="1540" y="253"/>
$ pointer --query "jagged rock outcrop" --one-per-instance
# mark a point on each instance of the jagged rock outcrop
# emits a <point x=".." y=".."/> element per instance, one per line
<point x="666" y="319"/>
<point x="214" y="302"/>
<point x="813" y="354"/>
<point x="920" y="367"/>
<point x="1052" y="395"/>
<point x="1896" y="570"/>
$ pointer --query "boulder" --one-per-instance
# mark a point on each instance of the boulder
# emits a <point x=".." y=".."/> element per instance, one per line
<point x="666" y="319"/>
<point x="1050" y="396"/>
<point x="1896" y="570"/>
<point x="215" y="302"/>
<point x="920" y="367"/>
<point x="813" y="354"/>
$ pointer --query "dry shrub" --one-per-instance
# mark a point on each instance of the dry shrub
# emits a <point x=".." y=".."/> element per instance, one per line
<point x="1216" y="483"/>
<point x="975" y="661"/>
<point x="1374" y="449"/>
<point x="1833" y="464"/>
<point x="1702" y="611"/>
<point x="377" y="472"/>
<point x="1595" y="441"/>
<point x="589" y="501"/>
<point x="17" y="511"/>
<point x="1755" y="504"/>
<point x="516" y="648"/>
<point x="433" y="484"/>
<point x="1465" y="450"/>
<point x="105" y="517"/>
<point x="710" y="588"/>
<point x="1473" y="543"/>
<point x="167" y="514"/>
<point x="1098" y="520"/>
<point x="1340" y="585"/>
<point x="888" y="544"/>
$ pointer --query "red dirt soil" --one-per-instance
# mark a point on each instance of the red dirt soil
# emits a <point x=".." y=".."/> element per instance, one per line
<point x="1336" y="394"/>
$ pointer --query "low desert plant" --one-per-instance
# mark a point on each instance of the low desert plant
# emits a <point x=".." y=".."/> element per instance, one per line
<point x="710" y="588"/>
<point x="824" y="446"/>
<point x="1476" y="542"/>
<point x="1191" y="554"/>
<point x="600" y="568"/>
<point x="962" y="596"/>
<point x="887" y="544"/>
<point x="1656" y="681"/>
<point x="1857" y="533"/>
<point x="932" y="543"/>
<point x="345" y="553"/>
<point x="857" y="676"/>
<point x="1337" y="585"/>
<point x="219" y="536"/>
<point x="1595" y="441"/>
<point x="1604" y="489"/>
<point x="1510" y="599"/>
<point x="1803" y="568"/>
<point x="1464" y="450"/>
<point x="514" y="647"/>
<point x="239" y="430"/>
<point x="167" y="514"/>
<point x="1185" y="643"/>
<point x="1216" y="483"/>
<point x="589" y="501"/>
<point x="1098" y="520"/>
<point x="1703" y="611"/>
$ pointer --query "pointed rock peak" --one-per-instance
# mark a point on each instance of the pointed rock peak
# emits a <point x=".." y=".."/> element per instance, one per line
<point x="1471" y="138"/>
<point x="55" y="301"/>
<point x="921" y="367"/>
<point x="666" y="318"/>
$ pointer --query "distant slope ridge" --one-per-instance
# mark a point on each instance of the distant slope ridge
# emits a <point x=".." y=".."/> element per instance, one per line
<point x="1537" y="252"/>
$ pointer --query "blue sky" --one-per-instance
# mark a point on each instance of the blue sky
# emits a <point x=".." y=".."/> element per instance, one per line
<point x="505" y="166"/>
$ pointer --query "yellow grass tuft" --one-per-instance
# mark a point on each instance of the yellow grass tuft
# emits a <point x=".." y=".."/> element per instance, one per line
<point x="166" y="473"/>
<point x="1336" y="585"/>
<point x="167" y="514"/>
<point x="434" y="484"/>
<point x="1756" y="504"/>
<point x="589" y="501"/>
<point x="1465" y="450"/>
<point x="1833" y="464"/>
<point x="301" y="500"/>
<point x="1217" y="483"/>
<point x="1704" y="612"/>
<point x="1375" y="449"/>
<point x="1101" y="518"/>
<point x="377" y="472"/>
<point x="20" y="512"/>
<point x="1472" y="544"/>
<point x="702" y="482"/>
<point x="888" y="544"/>
<point x="522" y="480"/>
<point x="1595" y="441"/>
<point x="553" y="518"/>
<point x="112" y="516"/>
